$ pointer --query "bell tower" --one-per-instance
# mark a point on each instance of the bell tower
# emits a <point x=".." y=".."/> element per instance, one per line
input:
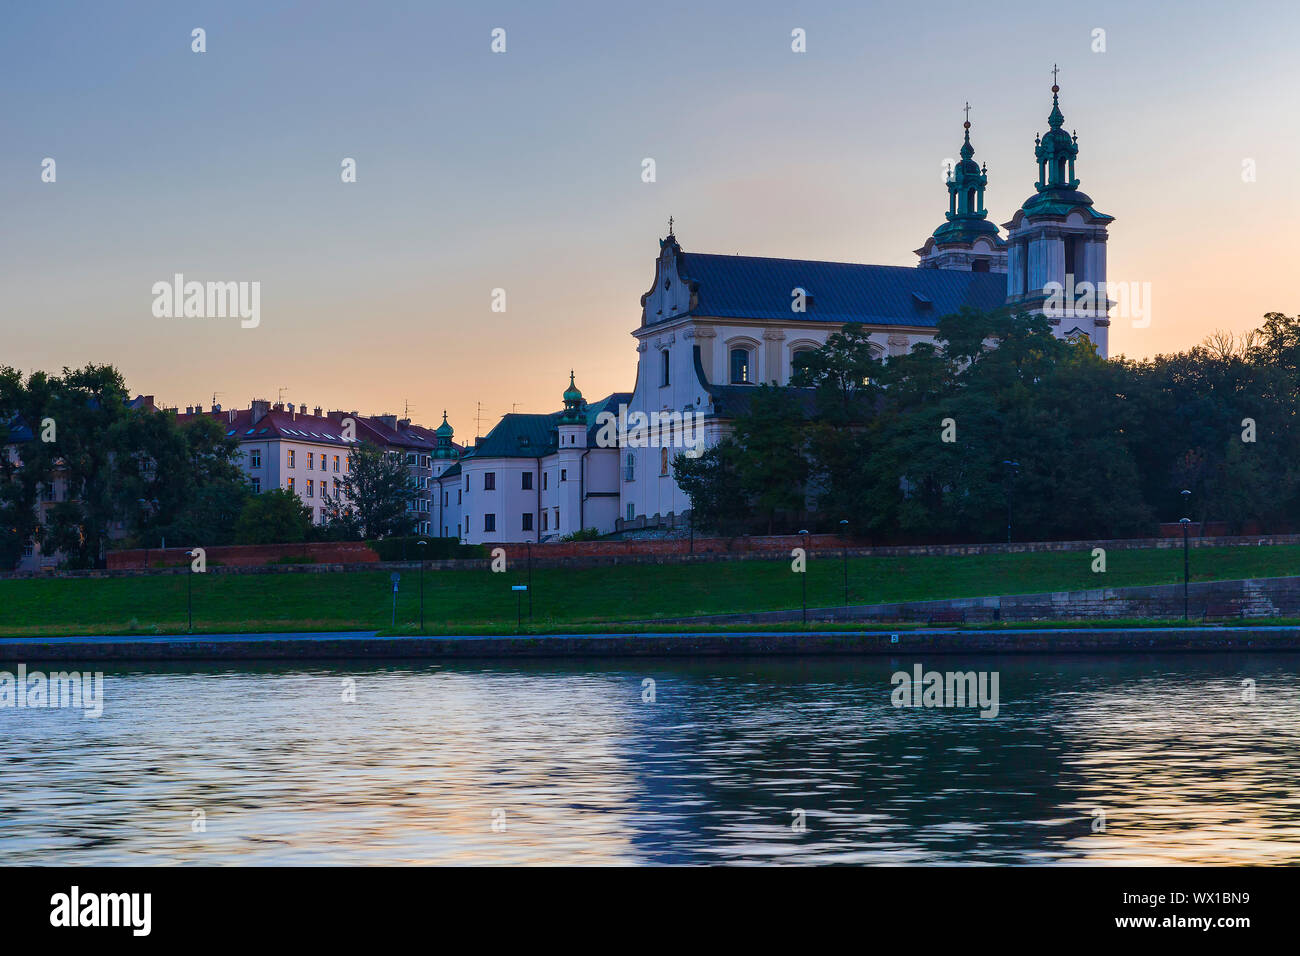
<point x="967" y="241"/>
<point x="1056" y="242"/>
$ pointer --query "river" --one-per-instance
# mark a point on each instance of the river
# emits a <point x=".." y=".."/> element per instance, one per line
<point x="1093" y="760"/>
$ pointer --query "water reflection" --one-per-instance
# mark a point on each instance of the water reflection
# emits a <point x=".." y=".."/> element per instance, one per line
<point x="564" y="763"/>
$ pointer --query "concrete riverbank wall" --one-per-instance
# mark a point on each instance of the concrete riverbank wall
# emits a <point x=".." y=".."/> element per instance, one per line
<point x="308" y="647"/>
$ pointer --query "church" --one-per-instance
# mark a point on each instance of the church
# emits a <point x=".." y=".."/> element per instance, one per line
<point x="714" y="326"/>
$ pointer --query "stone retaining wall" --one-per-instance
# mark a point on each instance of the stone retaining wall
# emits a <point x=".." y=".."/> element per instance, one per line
<point x="1249" y="598"/>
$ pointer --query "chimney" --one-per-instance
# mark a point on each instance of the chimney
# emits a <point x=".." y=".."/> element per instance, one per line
<point x="389" y="420"/>
<point x="216" y="408"/>
<point x="278" y="407"/>
<point x="316" y="411"/>
<point x="291" y="408"/>
<point x="189" y="409"/>
<point x="258" y="410"/>
<point x="404" y="423"/>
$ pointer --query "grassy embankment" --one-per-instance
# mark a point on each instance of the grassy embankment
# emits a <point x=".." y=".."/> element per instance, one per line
<point x="578" y="599"/>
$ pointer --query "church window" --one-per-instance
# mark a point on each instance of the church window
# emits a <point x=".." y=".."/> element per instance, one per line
<point x="979" y="265"/>
<point x="663" y="368"/>
<point x="630" y="474"/>
<point x="526" y="479"/>
<point x="663" y="461"/>
<point x="740" y="367"/>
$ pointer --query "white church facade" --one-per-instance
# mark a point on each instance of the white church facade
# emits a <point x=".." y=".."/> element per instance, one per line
<point x="715" y="326"/>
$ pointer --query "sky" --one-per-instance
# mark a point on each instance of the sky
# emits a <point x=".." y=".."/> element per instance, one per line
<point x="522" y="171"/>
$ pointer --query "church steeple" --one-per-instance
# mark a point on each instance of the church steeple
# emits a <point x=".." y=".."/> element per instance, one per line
<point x="573" y="404"/>
<point x="953" y="244"/>
<point x="1056" y="242"/>
<point x="1057" y="149"/>
<point x="966" y="182"/>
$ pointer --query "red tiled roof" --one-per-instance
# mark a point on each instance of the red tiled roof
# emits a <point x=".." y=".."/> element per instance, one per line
<point x="324" y="429"/>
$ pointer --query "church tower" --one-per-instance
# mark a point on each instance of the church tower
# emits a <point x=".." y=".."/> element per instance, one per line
<point x="571" y="428"/>
<point x="967" y="241"/>
<point x="1056" y="256"/>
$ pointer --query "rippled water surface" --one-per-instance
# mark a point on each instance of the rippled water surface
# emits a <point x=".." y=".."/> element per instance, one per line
<point x="566" y="763"/>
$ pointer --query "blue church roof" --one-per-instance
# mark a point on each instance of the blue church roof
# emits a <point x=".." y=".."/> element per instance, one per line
<point x="745" y="287"/>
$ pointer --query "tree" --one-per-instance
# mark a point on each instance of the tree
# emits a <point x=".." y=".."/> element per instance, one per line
<point x="374" y="495"/>
<point x="713" y="484"/>
<point x="273" y="517"/>
<point x="85" y="408"/>
<point x="19" y="482"/>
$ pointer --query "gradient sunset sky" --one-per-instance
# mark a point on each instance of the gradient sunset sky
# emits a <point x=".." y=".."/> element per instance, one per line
<point x="522" y="171"/>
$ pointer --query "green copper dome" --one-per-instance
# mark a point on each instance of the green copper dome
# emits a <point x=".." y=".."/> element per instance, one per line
<point x="573" y="411"/>
<point x="444" y="430"/>
<point x="966" y="215"/>
<point x="571" y="394"/>
<point x="1057" y="187"/>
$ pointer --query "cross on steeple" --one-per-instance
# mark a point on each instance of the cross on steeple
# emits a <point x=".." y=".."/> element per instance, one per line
<point x="967" y="111"/>
<point x="1054" y="72"/>
<point x="670" y="225"/>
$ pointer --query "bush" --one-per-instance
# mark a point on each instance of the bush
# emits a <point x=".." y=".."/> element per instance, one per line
<point x="586" y="534"/>
<point x="405" y="548"/>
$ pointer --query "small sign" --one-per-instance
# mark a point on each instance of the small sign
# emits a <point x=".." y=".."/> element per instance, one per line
<point x="519" y="587"/>
<point x="395" y="577"/>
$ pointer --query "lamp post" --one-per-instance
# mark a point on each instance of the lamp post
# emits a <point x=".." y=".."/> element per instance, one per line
<point x="804" y="532"/>
<point x="1186" y="523"/>
<point x="189" y="591"/>
<point x="422" y="544"/>
<point x="1013" y="467"/>
<point x="149" y="508"/>
<point x="530" y="584"/>
<point x="844" y="533"/>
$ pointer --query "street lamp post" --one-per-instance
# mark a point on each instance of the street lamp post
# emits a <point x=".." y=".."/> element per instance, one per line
<point x="149" y="508"/>
<point x="1186" y="523"/>
<point x="844" y="533"/>
<point x="189" y="591"/>
<point x="804" y="532"/>
<point x="422" y="544"/>
<point x="1012" y="468"/>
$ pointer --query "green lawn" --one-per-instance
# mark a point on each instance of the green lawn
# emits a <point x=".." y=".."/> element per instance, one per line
<point x="482" y="600"/>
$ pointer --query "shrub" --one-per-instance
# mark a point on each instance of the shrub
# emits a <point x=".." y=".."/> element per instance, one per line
<point x="405" y="548"/>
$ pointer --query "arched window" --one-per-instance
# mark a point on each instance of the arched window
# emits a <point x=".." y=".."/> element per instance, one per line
<point x="740" y="374"/>
<point x="663" y="461"/>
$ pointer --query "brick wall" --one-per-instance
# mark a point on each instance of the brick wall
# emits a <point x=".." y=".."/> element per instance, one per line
<point x="247" y="555"/>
